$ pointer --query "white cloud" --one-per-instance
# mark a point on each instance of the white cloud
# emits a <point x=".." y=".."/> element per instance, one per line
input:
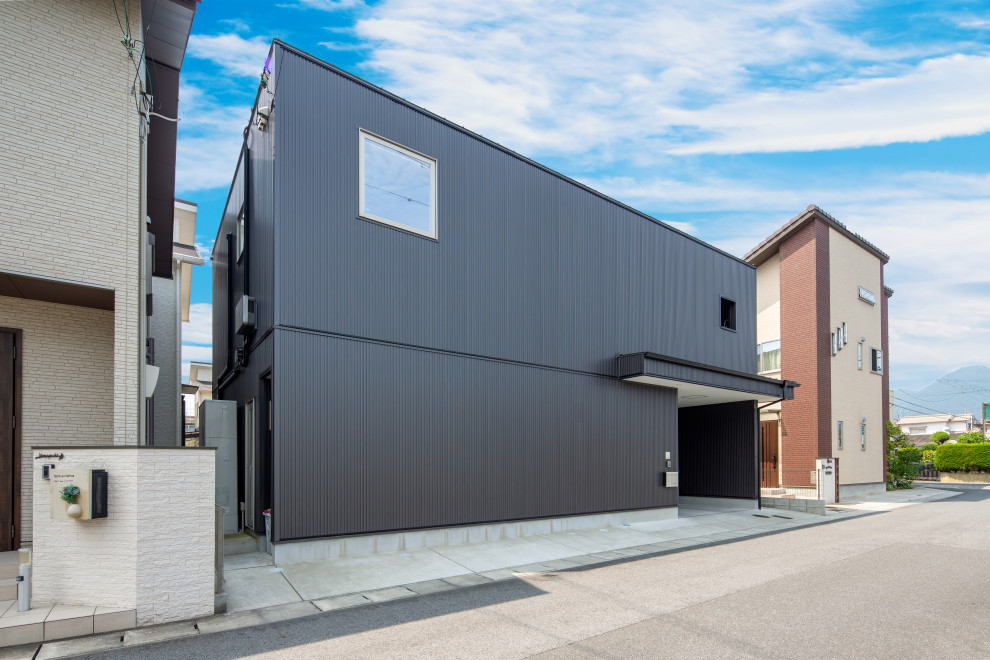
<point x="672" y="76"/>
<point x="210" y="138"/>
<point x="233" y="53"/>
<point x="196" y="354"/>
<point x="323" y="5"/>
<point x="199" y="328"/>
<point x="939" y="98"/>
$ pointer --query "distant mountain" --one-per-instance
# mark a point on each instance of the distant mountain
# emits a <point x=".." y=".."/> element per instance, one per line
<point x="963" y="390"/>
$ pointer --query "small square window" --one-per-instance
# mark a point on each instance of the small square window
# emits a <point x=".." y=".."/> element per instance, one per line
<point x="398" y="186"/>
<point x="728" y="314"/>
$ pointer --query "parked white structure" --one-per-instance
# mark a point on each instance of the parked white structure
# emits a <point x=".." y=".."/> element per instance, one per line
<point x="928" y="424"/>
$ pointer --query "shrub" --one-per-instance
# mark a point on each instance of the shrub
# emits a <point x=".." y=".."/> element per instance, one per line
<point x="970" y="438"/>
<point x="939" y="437"/>
<point x="928" y="455"/>
<point x="911" y="454"/>
<point x="931" y="446"/>
<point x="963" y="457"/>
<point x="902" y="459"/>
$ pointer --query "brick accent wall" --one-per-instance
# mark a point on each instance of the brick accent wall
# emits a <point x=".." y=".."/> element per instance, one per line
<point x="66" y="356"/>
<point x="805" y="350"/>
<point x="153" y="553"/>
<point x="70" y="170"/>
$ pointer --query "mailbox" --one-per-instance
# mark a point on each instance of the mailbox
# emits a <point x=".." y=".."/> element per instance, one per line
<point x="92" y="498"/>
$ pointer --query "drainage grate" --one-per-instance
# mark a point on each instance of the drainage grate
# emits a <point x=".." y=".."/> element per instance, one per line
<point x="784" y="517"/>
<point x="760" y="515"/>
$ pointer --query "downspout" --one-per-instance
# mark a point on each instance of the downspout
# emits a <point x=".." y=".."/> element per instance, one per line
<point x="143" y="318"/>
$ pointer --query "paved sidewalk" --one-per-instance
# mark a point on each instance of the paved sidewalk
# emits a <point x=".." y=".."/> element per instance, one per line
<point x="260" y="593"/>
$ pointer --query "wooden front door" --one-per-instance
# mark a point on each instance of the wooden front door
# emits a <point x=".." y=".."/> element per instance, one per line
<point x="9" y="495"/>
<point x="769" y="461"/>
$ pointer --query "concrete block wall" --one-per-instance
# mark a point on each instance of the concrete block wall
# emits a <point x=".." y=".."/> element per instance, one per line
<point x="794" y="504"/>
<point x="70" y="171"/>
<point x="153" y="553"/>
<point x="66" y="356"/>
<point x="176" y="533"/>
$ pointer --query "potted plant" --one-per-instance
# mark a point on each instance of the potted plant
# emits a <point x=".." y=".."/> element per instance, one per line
<point x="69" y="494"/>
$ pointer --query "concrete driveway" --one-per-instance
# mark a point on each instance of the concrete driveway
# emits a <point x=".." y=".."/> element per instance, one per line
<point x="911" y="581"/>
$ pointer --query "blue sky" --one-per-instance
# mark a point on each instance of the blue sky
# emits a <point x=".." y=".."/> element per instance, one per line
<point x="724" y="119"/>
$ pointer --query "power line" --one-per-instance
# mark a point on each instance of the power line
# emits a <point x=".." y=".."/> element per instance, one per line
<point x="910" y="403"/>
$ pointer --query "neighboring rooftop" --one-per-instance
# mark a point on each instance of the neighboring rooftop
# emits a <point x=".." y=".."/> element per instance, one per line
<point x="931" y="419"/>
<point x="769" y="246"/>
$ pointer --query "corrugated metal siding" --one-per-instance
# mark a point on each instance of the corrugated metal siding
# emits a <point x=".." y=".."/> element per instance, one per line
<point x="373" y="437"/>
<point x="528" y="266"/>
<point x="717" y="446"/>
<point x="223" y="296"/>
<point x="260" y="250"/>
<point x="243" y="388"/>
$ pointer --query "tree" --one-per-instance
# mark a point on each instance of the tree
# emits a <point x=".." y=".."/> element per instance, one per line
<point x="940" y="437"/>
<point x="902" y="459"/>
<point x="970" y="438"/>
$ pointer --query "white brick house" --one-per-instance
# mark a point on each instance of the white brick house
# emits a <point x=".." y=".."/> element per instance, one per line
<point x="77" y="186"/>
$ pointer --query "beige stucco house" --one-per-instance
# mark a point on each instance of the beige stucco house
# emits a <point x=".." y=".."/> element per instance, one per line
<point x="88" y="177"/>
<point x="822" y="321"/>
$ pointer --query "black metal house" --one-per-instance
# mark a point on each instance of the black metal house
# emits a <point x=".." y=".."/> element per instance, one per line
<point x="424" y="329"/>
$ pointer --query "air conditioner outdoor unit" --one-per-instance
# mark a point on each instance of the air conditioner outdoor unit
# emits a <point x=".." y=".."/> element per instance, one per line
<point x="245" y="315"/>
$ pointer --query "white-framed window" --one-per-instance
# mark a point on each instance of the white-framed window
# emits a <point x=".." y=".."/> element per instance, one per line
<point x="768" y="356"/>
<point x="398" y="186"/>
<point x="241" y="235"/>
<point x="845" y="333"/>
<point x="862" y="436"/>
<point x="840" y="435"/>
<point x="867" y="296"/>
<point x="859" y="356"/>
<point x="876" y="360"/>
<point x="835" y="345"/>
<point x="838" y="339"/>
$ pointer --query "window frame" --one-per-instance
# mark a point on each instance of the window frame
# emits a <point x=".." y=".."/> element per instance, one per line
<point x="241" y="226"/>
<point x="867" y="296"/>
<point x="859" y="356"/>
<point x="862" y="436"/>
<point x="761" y="351"/>
<point x="876" y="361"/>
<point x="732" y="314"/>
<point x="840" y="434"/>
<point x="363" y="135"/>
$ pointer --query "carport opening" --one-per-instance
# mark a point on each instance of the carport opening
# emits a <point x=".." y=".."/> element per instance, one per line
<point x="717" y="451"/>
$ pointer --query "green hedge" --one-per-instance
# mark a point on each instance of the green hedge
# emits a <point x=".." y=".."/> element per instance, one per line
<point x="939" y="437"/>
<point x="931" y="446"/>
<point x="963" y="458"/>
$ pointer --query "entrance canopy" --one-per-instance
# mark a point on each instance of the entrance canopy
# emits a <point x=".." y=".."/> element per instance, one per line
<point x="699" y="384"/>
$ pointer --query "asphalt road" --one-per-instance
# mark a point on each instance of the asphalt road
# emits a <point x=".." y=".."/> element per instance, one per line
<point x="911" y="582"/>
